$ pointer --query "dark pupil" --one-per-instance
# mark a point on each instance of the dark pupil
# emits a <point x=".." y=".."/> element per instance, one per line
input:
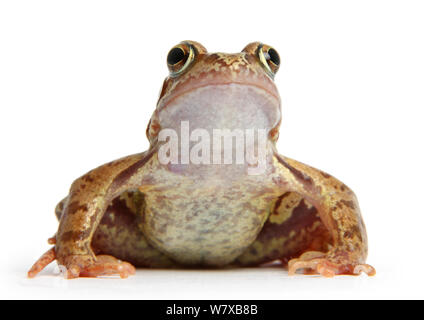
<point x="274" y="57"/>
<point x="175" y="56"/>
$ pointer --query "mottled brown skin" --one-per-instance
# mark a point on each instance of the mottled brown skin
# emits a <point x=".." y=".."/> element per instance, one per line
<point x="138" y="210"/>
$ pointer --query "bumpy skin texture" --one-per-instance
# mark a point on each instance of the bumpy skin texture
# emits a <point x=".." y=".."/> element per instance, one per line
<point x="138" y="210"/>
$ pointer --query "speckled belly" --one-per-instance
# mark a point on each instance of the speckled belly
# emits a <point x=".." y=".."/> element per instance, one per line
<point x="204" y="227"/>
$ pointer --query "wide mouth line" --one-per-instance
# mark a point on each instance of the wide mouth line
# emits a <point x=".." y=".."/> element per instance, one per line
<point x="162" y="106"/>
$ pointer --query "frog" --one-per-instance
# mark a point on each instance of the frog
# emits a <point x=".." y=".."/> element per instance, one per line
<point x="154" y="210"/>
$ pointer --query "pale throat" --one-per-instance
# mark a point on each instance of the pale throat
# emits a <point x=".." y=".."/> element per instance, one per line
<point x="235" y="117"/>
<point x="229" y="106"/>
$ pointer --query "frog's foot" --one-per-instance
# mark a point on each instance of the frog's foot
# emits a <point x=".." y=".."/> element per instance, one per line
<point x="52" y="240"/>
<point x="321" y="263"/>
<point x="103" y="265"/>
<point x="48" y="257"/>
<point x="84" y="266"/>
<point x="42" y="262"/>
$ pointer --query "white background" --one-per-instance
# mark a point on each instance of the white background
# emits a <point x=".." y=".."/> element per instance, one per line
<point x="79" y="81"/>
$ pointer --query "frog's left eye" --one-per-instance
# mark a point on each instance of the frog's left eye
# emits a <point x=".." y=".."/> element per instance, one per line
<point x="269" y="58"/>
<point x="179" y="58"/>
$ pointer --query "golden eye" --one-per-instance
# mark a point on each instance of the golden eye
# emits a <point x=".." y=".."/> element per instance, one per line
<point x="269" y="59"/>
<point x="179" y="58"/>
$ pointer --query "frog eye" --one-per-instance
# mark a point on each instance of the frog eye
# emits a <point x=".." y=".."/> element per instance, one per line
<point x="179" y="58"/>
<point x="269" y="59"/>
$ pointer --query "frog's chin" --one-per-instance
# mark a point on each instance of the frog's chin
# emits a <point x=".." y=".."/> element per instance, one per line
<point x="223" y="106"/>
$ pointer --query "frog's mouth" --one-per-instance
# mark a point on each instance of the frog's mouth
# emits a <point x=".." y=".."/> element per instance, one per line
<point x="222" y="106"/>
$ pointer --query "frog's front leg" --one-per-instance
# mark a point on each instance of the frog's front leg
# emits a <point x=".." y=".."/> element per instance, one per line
<point x="86" y="203"/>
<point x="339" y="211"/>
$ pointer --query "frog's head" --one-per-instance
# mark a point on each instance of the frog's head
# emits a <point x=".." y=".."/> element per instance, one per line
<point x="219" y="90"/>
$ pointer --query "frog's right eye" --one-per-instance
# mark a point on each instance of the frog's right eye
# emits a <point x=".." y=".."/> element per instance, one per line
<point x="179" y="58"/>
